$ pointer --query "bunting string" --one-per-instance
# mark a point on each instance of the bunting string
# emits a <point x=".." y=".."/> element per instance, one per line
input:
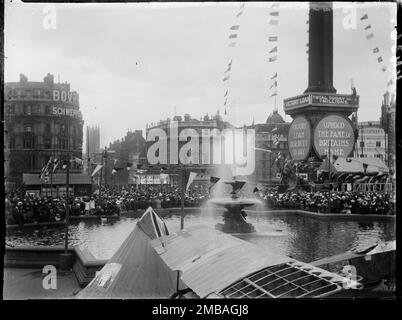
<point x="273" y="52"/>
<point x="368" y="28"/>
<point x="233" y="37"/>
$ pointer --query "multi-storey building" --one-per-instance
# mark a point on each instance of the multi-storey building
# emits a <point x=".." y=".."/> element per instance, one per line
<point x="270" y="136"/>
<point x="42" y="120"/>
<point x="388" y="124"/>
<point x="207" y="123"/>
<point x="371" y="142"/>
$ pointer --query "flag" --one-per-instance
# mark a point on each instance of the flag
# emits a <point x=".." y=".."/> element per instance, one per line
<point x="235" y="27"/>
<point x="55" y="164"/>
<point x="238" y="185"/>
<point x="255" y="190"/>
<point x="274" y="129"/>
<point x="273" y="59"/>
<point x="213" y="181"/>
<point x="275" y="75"/>
<point x="64" y="166"/>
<point x="376" y="50"/>
<point x="129" y="165"/>
<point x="226" y="101"/>
<point x="228" y="69"/>
<point x="274" y="49"/>
<point x="274" y="84"/>
<point x="45" y="169"/>
<point x="233" y="36"/>
<point x="230" y="63"/>
<point x="390" y="83"/>
<point x="334" y="157"/>
<point x="114" y="171"/>
<point x="307" y="21"/>
<point x="370" y="36"/>
<point x="379" y="59"/>
<point x="275" y="141"/>
<point x="239" y="14"/>
<point x="190" y="178"/>
<point x="233" y="44"/>
<point x="384" y="68"/>
<point x="226" y="78"/>
<point x="368" y="27"/>
<point x="242" y="6"/>
<point x="273" y="22"/>
<point x="273" y="38"/>
<point x="226" y="93"/>
<point x="365" y="165"/>
<point x="274" y="14"/>
<point x="97" y="168"/>
<point x="364" y="17"/>
<point x="274" y="94"/>
<point x="275" y="5"/>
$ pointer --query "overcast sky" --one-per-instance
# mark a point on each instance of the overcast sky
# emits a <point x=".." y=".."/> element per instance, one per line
<point x="132" y="64"/>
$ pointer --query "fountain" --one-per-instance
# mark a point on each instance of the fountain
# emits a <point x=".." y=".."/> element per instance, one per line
<point x="234" y="216"/>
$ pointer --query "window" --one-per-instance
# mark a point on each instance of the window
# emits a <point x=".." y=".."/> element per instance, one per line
<point x="28" y="128"/>
<point x="28" y="110"/>
<point x="63" y="129"/>
<point x="63" y="144"/>
<point x="47" y="128"/>
<point x="28" y="144"/>
<point x="378" y="143"/>
<point x="361" y="144"/>
<point x="47" y="144"/>
<point x="47" y="109"/>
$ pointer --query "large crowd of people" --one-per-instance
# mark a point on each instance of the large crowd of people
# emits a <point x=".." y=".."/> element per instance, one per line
<point x="23" y="208"/>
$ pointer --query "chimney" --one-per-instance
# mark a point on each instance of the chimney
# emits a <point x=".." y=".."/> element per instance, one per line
<point x="49" y="79"/>
<point x="23" y="79"/>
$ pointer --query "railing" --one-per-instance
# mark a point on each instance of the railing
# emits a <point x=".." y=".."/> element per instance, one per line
<point x="368" y="187"/>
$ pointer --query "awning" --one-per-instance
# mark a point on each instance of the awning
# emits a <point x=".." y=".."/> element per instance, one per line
<point x="32" y="179"/>
<point x="356" y="165"/>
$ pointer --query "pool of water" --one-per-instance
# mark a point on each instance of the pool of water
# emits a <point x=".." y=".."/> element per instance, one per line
<point x="303" y="238"/>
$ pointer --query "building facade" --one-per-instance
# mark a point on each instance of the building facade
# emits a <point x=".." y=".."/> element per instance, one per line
<point x="387" y="120"/>
<point x="203" y="160"/>
<point x="270" y="136"/>
<point x="371" y="142"/>
<point x="42" y="120"/>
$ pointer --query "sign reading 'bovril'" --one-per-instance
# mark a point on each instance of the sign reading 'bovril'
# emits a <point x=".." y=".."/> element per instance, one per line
<point x="299" y="138"/>
<point x="335" y="130"/>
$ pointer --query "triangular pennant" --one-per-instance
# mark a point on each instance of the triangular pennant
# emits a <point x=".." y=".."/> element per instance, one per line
<point x="364" y="17"/>
<point x="275" y="75"/>
<point x="368" y="27"/>
<point x="274" y="49"/>
<point x="274" y="14"/>
<point x="233" y="36"/>
<point x="273" y="59"/>
<point x="272" y="38"/>
<point x="273" y="22"/>
<point x="235" y="27"/>
<point x="239" y="14"/>
<point x="370" y="36"/>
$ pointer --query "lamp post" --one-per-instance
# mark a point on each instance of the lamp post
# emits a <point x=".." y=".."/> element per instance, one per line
<point x="66" y="258"/>
<point x="329" y="176"/>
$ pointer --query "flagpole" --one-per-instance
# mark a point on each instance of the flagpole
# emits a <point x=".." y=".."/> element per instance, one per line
<point x="182" y="200"/>
<point x="329" y="177"/>
<point x="51" y="180"/>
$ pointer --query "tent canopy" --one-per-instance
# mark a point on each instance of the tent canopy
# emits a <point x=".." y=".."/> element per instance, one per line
<point x="356" y="165"/>
<point x="135" y="270"/>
